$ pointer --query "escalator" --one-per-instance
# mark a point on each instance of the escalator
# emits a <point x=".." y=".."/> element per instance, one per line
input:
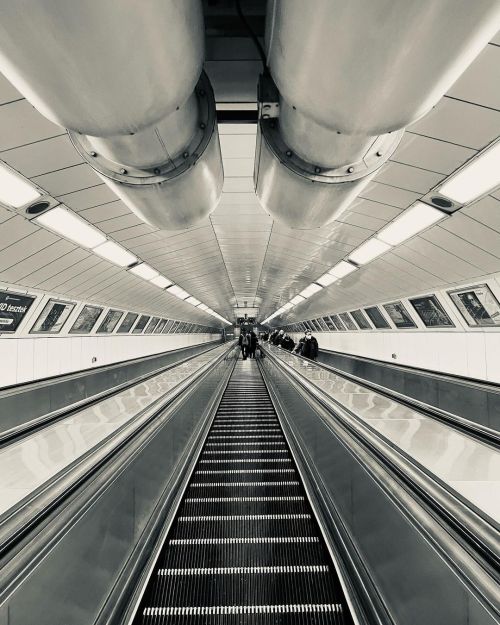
<point x="244" y="546"/>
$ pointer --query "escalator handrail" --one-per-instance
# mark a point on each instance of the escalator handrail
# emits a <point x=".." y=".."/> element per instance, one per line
<point x="479" y="536"/>
<point x="26" y="429"/>
<point x="18" y="521"/>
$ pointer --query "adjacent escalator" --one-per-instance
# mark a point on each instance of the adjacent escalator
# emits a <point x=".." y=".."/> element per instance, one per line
<point x="245" y="546"/>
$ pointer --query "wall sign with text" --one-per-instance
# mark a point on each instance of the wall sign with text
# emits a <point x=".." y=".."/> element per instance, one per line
<point x="13" y="308"/>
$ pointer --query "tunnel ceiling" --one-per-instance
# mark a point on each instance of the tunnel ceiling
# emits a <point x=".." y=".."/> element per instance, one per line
<point x="239" y="256"/>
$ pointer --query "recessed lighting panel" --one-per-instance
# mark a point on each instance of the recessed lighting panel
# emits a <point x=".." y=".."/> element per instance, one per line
<point x="15" y="191"/>
<point x="115" y="253"/>
<point x="144" y="271"/>
<point x="479" y="176"/>
<point x="326" y="279"/>
<point x="342" y="269"/>
<point x="368" y="251"/>
<point x="178" y="292"/>
<point x="310" y="290"/>
<point x="409" y="223"/>
<point x="297" y="299"/>
<point x="65" y="223"/>
<point x="193" y="301"/>
<point x="161" y="281"/>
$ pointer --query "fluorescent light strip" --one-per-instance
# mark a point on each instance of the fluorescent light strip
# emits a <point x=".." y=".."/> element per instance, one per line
<point x="411" y="221"/>
<point x="115" y="253"/>
<point x="66" y="223"/>
<point x="479" y="176"/>
<point x="342" y="269"/>
<point x="368" y="251"/>
<point x="310" y="290"/>
<point x="287" y="306"/>
<point x="178" y="292"/>
<point x="15" y="190"/>
<point x="144" y="271"/>
<point x="193" y="301"/>
<point x="161" y="282"/>
<point x="297" y="299"/>
<point x="326" y="279"/>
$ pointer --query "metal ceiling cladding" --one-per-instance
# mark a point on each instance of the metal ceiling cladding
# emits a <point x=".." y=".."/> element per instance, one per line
<point x="245" y="547"/>
<point x="330" y="133"/>
<point x="151" y="138"/>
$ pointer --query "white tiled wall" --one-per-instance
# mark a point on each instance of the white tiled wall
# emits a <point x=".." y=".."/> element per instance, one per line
<point x="25" y="359"/>
<point x="475" y="354"/>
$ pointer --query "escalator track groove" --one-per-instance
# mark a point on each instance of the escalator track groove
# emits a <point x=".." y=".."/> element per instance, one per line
<point x="245" y="546"/>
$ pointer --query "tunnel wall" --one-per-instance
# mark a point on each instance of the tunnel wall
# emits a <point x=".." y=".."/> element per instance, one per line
<point x="472" y="354"/>
<point x="26" y="359"/>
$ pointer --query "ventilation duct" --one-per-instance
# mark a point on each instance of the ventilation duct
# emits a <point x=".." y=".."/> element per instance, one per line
<point x="125" y="78"/>
<point x="345" y="79"/>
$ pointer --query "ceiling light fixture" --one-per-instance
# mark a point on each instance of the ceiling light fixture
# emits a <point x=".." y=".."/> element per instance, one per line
<point x="479" y="176"/>
<point x="178" y="292"/>
<point x="326" y="279"/>
<point x="368" y="251"/>
<point x="161" y="281"/>
<point x="115" y="253"/>
<point x="413" y="220"/>
<point x="192" y="300"/>
<point x="15" y="191"/>
<point x="203" y="307"/>
<point x="310" y="290"/>
<point x="65" y="223"/>
<point x="297" y="299"/>
<point x="287" y="306"/>
<point x="342" y="269"/>
<point x="144" y="271"/>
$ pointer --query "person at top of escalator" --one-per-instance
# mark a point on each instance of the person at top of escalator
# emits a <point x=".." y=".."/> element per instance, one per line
<point x="244" y="343"/>
<point x="308" y="346"/>
<point x="252" y="338"/>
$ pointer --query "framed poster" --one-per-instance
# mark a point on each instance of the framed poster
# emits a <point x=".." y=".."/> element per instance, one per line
<point x="360" y="319"/>
<point x="431" y="312"/>
<point x="399" y="315"/>
<point x="329" y="324"/>
<point x="86" y="319"/>
<point x="160" y="326"/>
<point x="110" y="321"/>
<point x="13" y="308"/>
<point x="308" y="325"/>
<point x="175" y="327"/>
<point x="52" y="317"/>
<point x="348" y="322"/>
<point x="322" y="325"/>
<point x="141" y="324"/>
<point x="127" y="323"/>
<point x="477" y="305"/>
<point x="337" y="323"/>
<point x="315" y="325"/>
<point x="151" y="325"/>
<point x="168" y="326"/>
<point x="377" y="318"/>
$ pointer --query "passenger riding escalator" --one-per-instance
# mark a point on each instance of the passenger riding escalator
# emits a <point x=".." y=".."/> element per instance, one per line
<point x="245" y="546"/>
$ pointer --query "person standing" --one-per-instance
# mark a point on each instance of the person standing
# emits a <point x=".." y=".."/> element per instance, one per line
<point x="308" y="346"/>
<point x="287" y="342"/>
<point x="278" y="338"/>
<point x="244" y="344"/>
<point x="252" y="338"/>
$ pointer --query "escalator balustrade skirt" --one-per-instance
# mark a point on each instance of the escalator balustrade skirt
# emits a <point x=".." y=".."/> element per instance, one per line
<point x="244" y="547"/>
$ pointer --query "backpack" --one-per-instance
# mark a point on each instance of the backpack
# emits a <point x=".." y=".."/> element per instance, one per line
<point x="244" y="340"/>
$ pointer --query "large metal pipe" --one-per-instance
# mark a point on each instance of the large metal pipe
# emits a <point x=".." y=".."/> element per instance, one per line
<point x="125" y="78"/>
<point x="348" y="78"/>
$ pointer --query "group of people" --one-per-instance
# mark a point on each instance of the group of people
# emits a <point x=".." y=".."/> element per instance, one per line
<point x="248" y="343"/>
<point x="307" y="345"/>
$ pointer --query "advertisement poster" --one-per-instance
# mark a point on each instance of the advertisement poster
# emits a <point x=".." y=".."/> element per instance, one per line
<point x="477" y="305"/>
<point x="377" y="318"/>
<point x="431" y="312"/>
<point x="160" y="326"/>
<point x="110" y="321"/>
<point x="168" y="326"/>
<point x="399" y="315"/>
<point x="329" y="324"/>
<point x="53" y="317"/>
<point x="127" y="323"/>
<point x="86" y="320"/>
<point x="322" y="325"/>
<point x="308" y="325"/>
<point x="337" y="323"/>
<point x="348" y="322"/>
<point x="360" y="319"/>
<point x="175" y="327"/>
<point x="13" y="308"/>
<point x="151" y="325"/>
<point x="141" y="324"/>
